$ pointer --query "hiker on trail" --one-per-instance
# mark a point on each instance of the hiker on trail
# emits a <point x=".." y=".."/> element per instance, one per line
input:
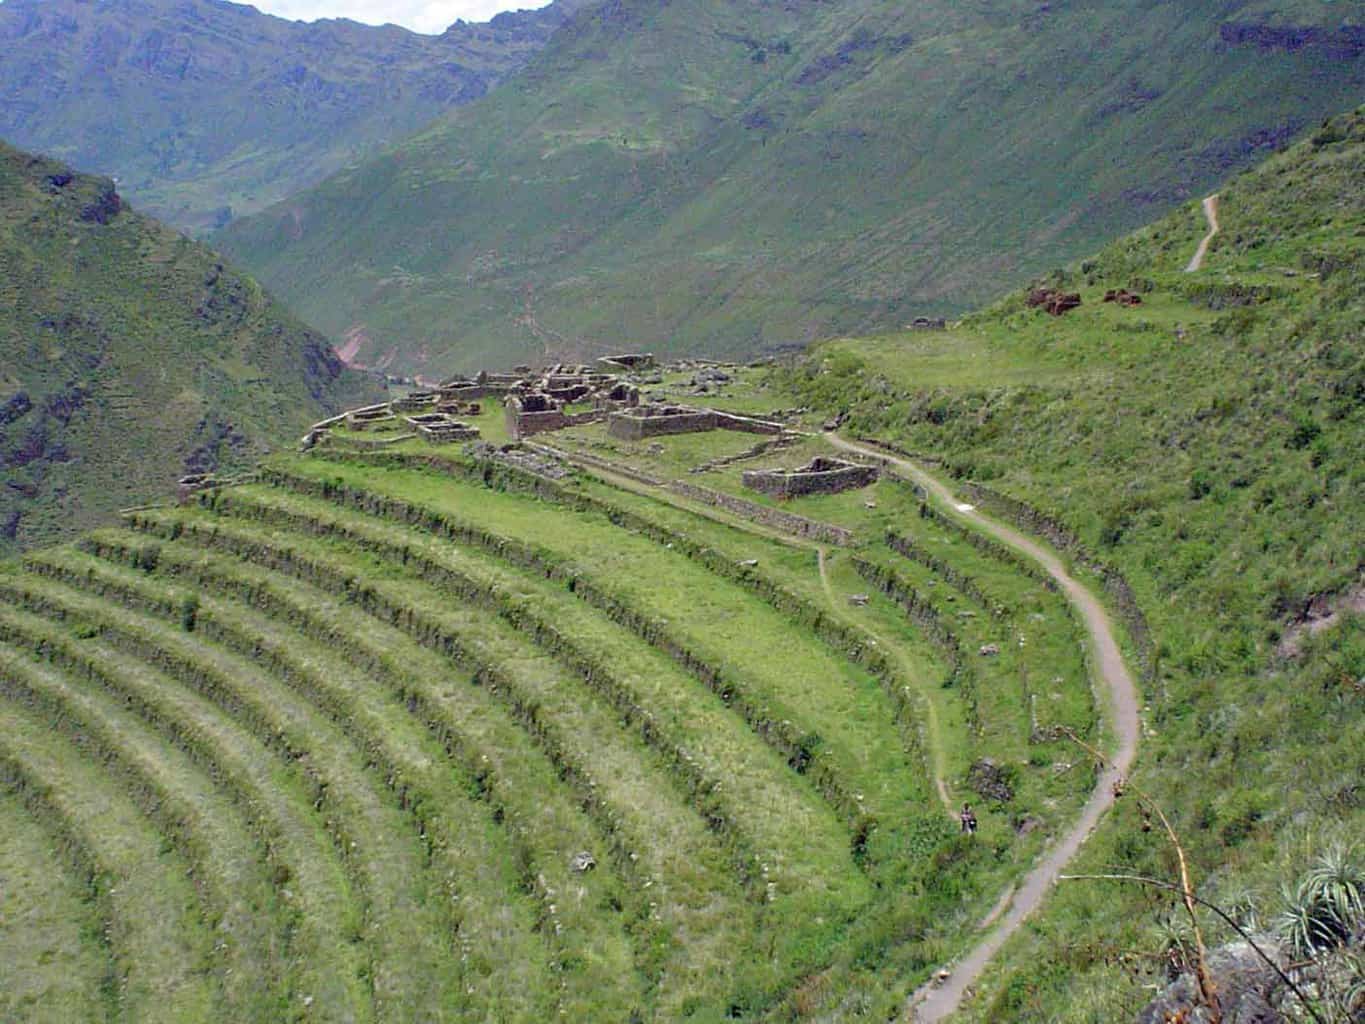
<point x="968" y="819"/>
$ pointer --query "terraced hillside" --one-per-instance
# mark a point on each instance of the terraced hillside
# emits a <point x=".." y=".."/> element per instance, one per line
<point x="409" y="735"/>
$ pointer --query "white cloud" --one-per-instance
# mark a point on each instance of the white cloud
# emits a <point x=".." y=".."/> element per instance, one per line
<point x="430" y="16"/>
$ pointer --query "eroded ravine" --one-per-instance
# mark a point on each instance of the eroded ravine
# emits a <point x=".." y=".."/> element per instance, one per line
<point x="936" y="1002"/>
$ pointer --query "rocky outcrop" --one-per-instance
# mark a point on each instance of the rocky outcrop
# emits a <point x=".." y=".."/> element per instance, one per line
<point x="1249" y="991"/>
<point x="105" y="206"/>
<point x="990" y="781"/>
<point x="1344" y="42"/>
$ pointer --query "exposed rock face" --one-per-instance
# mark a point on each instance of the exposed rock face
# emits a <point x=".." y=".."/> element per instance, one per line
<point x="1249" y="992"/>
<point x="989" y="781"/>
<point x="1346" y="42"/>
<point x="105" y="208"/>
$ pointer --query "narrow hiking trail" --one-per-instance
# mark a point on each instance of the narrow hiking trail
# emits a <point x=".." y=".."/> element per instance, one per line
<point x="937" y="756"/>
<point x="932" y="1003"/>
<point x="1211" y="214"/>
<point x="938" y="765"/>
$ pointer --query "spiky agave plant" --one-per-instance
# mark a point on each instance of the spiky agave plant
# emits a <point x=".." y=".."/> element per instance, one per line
<point x="1339" y="880"/>
<point x="1327" y="905"/>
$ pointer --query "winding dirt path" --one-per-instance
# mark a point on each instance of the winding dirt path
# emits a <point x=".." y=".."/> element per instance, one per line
<point x="938" y="765"/>
<point x="1210" y="214"/>
<point x="936" y="1002"/>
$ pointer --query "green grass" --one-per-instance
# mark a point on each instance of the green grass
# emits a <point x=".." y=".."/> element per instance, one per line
<point x="413" y="726"/>
<point x="674" y="856"/>
<point x="307" y="873"/>
<point x="162" y="950"/>
<point x="49" y="931"/>
<point x="475" y="675"/>
<point x="760" y="792"/>
<point x="206" y="828"/>
<point x="800" y="679"/>
<point x="465" y="866"/>
<point x="405" y="917"/>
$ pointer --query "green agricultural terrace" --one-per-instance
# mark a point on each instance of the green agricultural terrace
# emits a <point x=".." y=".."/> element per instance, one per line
<point x="414" y="735"/>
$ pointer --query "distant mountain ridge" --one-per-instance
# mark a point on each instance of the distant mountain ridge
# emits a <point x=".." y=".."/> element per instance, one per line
<point x="130" y="355"/>
<point x="726" y="178"/>
<point x="205" y="109"/>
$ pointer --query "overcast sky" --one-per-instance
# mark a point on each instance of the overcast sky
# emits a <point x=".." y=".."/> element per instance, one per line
<point x="432" y="16"/>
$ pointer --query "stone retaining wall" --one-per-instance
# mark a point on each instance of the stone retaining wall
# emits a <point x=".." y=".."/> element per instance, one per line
<point x="820" y="476"/>
<point x="773" y="518"/>
<point x="647" y="421"/>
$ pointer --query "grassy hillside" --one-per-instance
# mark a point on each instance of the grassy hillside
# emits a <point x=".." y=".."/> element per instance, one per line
<point x="130" y="355"/>
<point x="208" y="110"/>
<point x="1207" y="444"/>
<point x="702" y="177"/>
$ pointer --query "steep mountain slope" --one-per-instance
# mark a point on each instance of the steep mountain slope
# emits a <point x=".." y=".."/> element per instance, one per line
<point x="723" y="177"/>
<point x="130" y="355"/>
<point x="1207" y="444"/>
<point x="205" y="109"/>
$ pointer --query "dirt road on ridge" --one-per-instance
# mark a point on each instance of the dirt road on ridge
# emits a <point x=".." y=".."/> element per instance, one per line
<point x="934" y="1003"/>
<point x="1211" y="215"/>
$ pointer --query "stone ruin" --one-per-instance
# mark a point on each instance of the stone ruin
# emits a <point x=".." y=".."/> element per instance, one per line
<point x="192" y="484"/>
<point x="520" y="457"/>
<point x="414" y="401"/>
<point x="537" y="401"/>
<point x="1053" y="300"/>
<point x="441" y="428"/>
<point x="638" y="423"/>
<point x="820" y="476"/>
<point x="537" y="412"/>
<point x="455" y="407"/>
<point x="369" y="417"/>
<point x="628" y="362"/>
<point x="1123" y="297"/>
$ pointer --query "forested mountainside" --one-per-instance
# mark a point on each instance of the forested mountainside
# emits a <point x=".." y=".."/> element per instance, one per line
<point x="702" y="177"/>
<point x="204" y="110"/>
<point x="130" y="355"/>
<point x="1205" y="443"/>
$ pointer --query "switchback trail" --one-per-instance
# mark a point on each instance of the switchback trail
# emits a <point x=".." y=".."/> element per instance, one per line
<point x="936" y="1002"/>
<point x="1211" y="214"/>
